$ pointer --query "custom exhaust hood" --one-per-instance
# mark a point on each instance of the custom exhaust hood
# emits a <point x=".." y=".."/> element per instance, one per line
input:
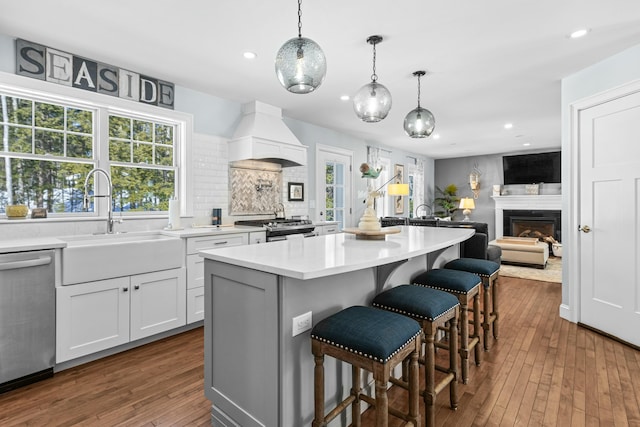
<point x="262" y="135"/>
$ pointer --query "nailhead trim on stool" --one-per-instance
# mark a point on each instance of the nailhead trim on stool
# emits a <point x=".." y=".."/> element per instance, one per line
<point x="466" y="287"/>
<point x="371" y="339"/>
<point x="489" y="271"/>
<point x="433" y="309"/>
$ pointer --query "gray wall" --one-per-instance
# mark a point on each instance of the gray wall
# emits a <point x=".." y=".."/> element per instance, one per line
<point x="456" y="171"/>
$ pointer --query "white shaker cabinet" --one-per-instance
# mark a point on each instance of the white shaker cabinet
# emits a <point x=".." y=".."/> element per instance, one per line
<point x="327" y="228"/>
<point x="99" y="315"/>
<point x="195" y="268"/>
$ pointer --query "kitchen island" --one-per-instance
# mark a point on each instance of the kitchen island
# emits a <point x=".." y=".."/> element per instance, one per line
<point x="257" y="373"/>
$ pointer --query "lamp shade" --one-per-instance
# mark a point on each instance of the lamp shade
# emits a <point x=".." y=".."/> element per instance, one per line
<point x="467" y="203"/>
<point x="398" y="189"/>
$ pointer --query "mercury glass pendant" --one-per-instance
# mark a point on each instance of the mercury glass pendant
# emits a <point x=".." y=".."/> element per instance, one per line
<point x="372" y="103"/>
<point x="300" y="62"/>
<point x="419" y="123"/>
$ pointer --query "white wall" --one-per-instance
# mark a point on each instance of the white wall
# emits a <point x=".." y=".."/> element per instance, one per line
<point x="214" y="121"/>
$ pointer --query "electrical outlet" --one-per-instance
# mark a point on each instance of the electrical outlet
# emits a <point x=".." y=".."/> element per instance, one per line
<point x="301" y="323"/>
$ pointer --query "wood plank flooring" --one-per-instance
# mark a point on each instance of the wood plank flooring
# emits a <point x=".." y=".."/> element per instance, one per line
<point x="544" y="371"/>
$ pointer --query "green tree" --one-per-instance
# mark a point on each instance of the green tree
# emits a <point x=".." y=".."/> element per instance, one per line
<point x="447" y="201"/>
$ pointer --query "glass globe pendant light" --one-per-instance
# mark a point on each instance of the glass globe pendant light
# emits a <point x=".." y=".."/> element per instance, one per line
<point x="300" y="62"/>
<point x="373" y="101"/>
<point x="419" y="123"/>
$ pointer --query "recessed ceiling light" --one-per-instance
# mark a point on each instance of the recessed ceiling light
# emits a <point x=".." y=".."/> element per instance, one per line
<point x="345" y="98"/>
<point x="579" y="33"/>
<point x="436" y="136"/>
<point x="526" y="144"/>
<point x="508" y="125"/>
<point x="249" y="55"/>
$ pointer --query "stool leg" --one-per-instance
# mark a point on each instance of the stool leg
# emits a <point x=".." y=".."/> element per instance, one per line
<point x="414" y="387"/>
<point x="429" y="377"/>
<point x="382" y="403"/>
<point x="477" y="326"/>
<point x="318" y="390"/>
<point x="355" y="392"/>
<point x="494" y="296"/>
<point x="464" y="340"/>
<point x="486" y="323"/>
<point x="453" y="362"/>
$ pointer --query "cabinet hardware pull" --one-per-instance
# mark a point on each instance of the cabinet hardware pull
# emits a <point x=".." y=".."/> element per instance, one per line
<point x="221" y="243"/>
<point x="136" y="287"/>
<point x="125" y="289"/>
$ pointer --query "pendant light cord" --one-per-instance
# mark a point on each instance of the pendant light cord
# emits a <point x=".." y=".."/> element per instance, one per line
<point x="299" y="18"/>
<point x="374" y="76"/>
<point x="419" y="90"/>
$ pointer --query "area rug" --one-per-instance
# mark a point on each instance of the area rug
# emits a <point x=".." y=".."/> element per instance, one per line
<point x="551" y="273"/>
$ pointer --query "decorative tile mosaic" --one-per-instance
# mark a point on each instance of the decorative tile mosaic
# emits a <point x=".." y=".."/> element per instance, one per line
<point x="254" y="191"/>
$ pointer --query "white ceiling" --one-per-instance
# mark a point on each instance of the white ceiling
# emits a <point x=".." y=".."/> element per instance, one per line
<point x="489" y="62"/>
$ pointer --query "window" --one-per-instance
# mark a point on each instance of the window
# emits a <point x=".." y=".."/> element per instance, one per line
<point x="50" y="144"/>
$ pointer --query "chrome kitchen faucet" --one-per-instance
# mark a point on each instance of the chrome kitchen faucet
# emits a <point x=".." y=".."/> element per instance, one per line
<point x="85" y="200"/>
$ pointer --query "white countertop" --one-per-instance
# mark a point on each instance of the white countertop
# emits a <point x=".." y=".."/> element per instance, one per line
<point x="322" y="256"/>
<point x="210" y="231"/>
<point x="30" y="244"/>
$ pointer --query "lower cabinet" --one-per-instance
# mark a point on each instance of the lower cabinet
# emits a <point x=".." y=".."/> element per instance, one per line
<point x="195" y="268"/>
<point x="95" y="316"/>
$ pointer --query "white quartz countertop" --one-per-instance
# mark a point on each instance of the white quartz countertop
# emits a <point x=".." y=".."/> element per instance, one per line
<point x="327" y="255"/>
<point x="30" y="244"/>
<point x="210" y="231"/>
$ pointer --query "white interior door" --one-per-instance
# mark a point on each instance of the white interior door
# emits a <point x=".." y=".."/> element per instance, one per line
<point x="609" y="161"/>
<point x="333" y="185"/>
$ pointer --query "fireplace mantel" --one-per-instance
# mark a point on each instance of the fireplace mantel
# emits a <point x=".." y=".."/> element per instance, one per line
<point x="524" y="202"/>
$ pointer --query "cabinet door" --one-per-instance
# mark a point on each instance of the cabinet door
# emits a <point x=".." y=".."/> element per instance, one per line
<point x="91" y="317"/>
<point x="158" y="302"/>
<point x="195" y="304"/>
<point x="330" y="229"/>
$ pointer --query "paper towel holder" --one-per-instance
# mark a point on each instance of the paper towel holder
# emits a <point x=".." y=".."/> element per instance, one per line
<point x="174" y="215"/>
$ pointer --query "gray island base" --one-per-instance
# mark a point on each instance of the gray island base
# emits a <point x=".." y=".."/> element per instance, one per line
<point x="256" y="372"/>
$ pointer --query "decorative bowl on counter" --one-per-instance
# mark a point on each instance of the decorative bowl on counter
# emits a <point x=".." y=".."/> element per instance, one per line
<point x="17" y="211"/>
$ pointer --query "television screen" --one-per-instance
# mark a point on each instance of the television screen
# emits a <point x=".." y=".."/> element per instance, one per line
<point x="532" y="168"/>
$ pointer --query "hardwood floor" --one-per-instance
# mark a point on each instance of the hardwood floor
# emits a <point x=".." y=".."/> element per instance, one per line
<point x="542" y="371"/>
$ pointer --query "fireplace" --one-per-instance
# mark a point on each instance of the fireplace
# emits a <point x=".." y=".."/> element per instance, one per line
<point x="532" y="223"/>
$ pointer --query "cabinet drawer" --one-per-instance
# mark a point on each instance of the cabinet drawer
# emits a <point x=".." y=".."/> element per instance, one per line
<point x="195" y="244"/>
<point x="195" y="271"/>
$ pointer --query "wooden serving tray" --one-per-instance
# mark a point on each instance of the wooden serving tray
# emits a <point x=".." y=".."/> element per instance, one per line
<point x="371" y="234"/>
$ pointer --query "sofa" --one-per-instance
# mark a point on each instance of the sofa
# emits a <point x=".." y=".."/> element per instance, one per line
<point x="477" y="246"/>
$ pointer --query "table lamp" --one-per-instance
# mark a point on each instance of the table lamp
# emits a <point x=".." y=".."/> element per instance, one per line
<point x="369" y="220"/>
<point x="467" y="204"/>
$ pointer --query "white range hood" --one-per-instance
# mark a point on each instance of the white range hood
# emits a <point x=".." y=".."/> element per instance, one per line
<point x="262" y="135"/>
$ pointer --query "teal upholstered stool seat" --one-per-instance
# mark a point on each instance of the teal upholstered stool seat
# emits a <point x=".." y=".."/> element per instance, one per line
<point x="434" y="309"/>
<point x="466" y="287"/>
<point x="489" y="271"/>
<point x="371" y="339"/>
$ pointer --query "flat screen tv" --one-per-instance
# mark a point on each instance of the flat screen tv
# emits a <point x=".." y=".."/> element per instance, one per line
<point x="532" y="168"/>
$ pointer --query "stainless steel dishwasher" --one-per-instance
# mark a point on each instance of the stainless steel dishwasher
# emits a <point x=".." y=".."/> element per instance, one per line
<point x="27" y="318"/>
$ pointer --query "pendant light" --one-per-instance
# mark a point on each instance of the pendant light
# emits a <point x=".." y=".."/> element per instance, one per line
<point x="373" y="101"/>
<point x="300" y="62"/>
<point x="419" y="123"/>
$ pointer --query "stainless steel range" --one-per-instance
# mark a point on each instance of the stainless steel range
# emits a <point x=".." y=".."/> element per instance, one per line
<point x="279" y="229"/>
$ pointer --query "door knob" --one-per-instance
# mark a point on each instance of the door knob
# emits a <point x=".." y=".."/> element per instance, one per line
<point x="585" y="229"/>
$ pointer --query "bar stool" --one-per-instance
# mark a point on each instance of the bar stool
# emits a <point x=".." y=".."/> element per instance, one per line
<point x="433" y="309"/>
<point x="371" y="339"/>
<point x="489" y="272"/>
<point x="466" y="287"/>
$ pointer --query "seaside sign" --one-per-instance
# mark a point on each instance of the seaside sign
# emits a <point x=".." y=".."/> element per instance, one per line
<point x="44" y="63"/>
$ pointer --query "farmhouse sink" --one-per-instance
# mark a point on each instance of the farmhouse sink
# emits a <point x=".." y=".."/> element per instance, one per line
<point x="96" y="257"/>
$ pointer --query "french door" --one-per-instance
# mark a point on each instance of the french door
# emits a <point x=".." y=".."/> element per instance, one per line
<point x="333" y="185"/>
